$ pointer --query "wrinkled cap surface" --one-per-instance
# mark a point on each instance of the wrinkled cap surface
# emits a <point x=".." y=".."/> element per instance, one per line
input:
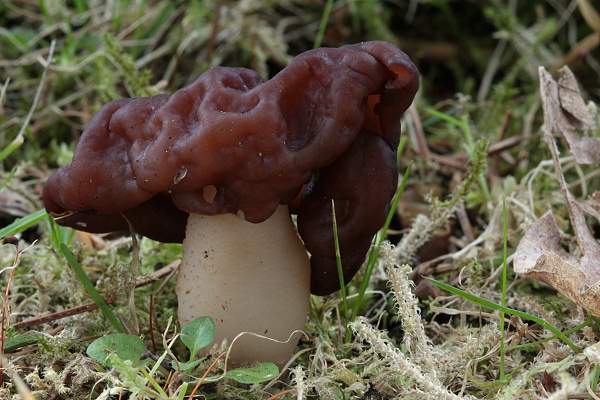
<point x="331" y="114"/>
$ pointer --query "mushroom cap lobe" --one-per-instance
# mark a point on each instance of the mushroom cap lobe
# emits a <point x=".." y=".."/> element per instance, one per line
<point x="257" y="142"/>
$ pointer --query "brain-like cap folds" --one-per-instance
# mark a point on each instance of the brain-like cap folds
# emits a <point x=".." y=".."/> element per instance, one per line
<point x="331" y="114"/>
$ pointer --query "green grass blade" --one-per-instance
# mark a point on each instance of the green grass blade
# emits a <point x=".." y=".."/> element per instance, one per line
<point x="497" y="307"/>
<point x="23" y="223"/>
<point x="374" y="251"/>
<point x="155" y="384"/>
<point x="394" y="206"/>
<point x="59" y="234"/>
<point x="596" y="321"/>
<point x="572" y="330"/>
<point x="10" y="175"/>
<point x="14" y="145"/>
<point x="448" y="118"/>
<point x="22" y="341"/>
<point x="595" y="375"/>
<point x="182" y="391"/>
<point x="338" y="260"/>
<point x="89" y="287"/>
<point x="504" y="285"/>
<point x="323" y="25"/>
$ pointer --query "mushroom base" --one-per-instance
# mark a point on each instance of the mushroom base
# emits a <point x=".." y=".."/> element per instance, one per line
<point x="248" y="278"/>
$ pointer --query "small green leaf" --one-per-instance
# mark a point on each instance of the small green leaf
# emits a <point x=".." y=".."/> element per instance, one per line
<point x="187" y="366"/>
<point x="124" y="346"/>
<point x="257" y="374"/>
<point x="198" y="334"/>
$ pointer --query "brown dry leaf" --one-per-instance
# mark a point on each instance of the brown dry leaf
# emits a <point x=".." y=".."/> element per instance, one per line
<point x="568" y="115"/>
<point x="540" y="256"/>
<point x="571" y="100"/>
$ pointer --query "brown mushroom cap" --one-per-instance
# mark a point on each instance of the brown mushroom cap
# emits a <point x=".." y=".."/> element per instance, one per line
<point x="257" y="143"/>
<point x="362" y="181"/>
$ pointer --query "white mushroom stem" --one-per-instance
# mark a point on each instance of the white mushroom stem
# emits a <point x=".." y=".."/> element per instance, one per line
<point x="248" y="278"/>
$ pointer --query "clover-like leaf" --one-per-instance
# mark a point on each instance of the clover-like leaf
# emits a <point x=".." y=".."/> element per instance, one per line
<point x="124" y="346"/>
<point x="257" y="374"/>
<point x="198" y="334"/>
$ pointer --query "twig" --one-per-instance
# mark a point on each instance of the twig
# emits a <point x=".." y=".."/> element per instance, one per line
<point x="164" y="271"/>
<point x="276" y="396"/>
<point x="419" y="133"/>
<point x="206" y="374"/>
<point x="62" y="314"/>
<point x="459" y="160"/>
<point x="93" y="306"/>
<point x="150" y="321"/>
<point x="465" y="224"/>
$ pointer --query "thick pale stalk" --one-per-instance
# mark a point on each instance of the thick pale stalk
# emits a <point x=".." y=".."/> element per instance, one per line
<point x="248" y="278"/>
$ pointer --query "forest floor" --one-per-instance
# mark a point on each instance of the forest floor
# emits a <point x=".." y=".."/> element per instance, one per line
<point x="500" y="165"/>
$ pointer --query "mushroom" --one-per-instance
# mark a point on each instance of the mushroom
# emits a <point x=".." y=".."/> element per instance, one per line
<point x="216" y="163"/>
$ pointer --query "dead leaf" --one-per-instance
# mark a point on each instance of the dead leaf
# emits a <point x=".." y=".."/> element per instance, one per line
<point x="541" y="256"/>
<point x="588" y="244"/>
<point x="566" y="115"/>
<point x="571" y="100"/>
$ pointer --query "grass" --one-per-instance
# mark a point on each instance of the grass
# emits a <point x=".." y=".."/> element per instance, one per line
<point x="480" y="332"/>
<point x="90" y="288"/>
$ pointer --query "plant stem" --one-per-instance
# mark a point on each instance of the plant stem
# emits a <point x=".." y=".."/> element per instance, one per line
<point x="504" y="272"/>
<point x="89" y="287"/>
<point x="323" y="24"/>
<point x="338" y="260"/>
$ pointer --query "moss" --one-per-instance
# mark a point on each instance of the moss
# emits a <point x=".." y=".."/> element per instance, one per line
<point x="478" y="63"/>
